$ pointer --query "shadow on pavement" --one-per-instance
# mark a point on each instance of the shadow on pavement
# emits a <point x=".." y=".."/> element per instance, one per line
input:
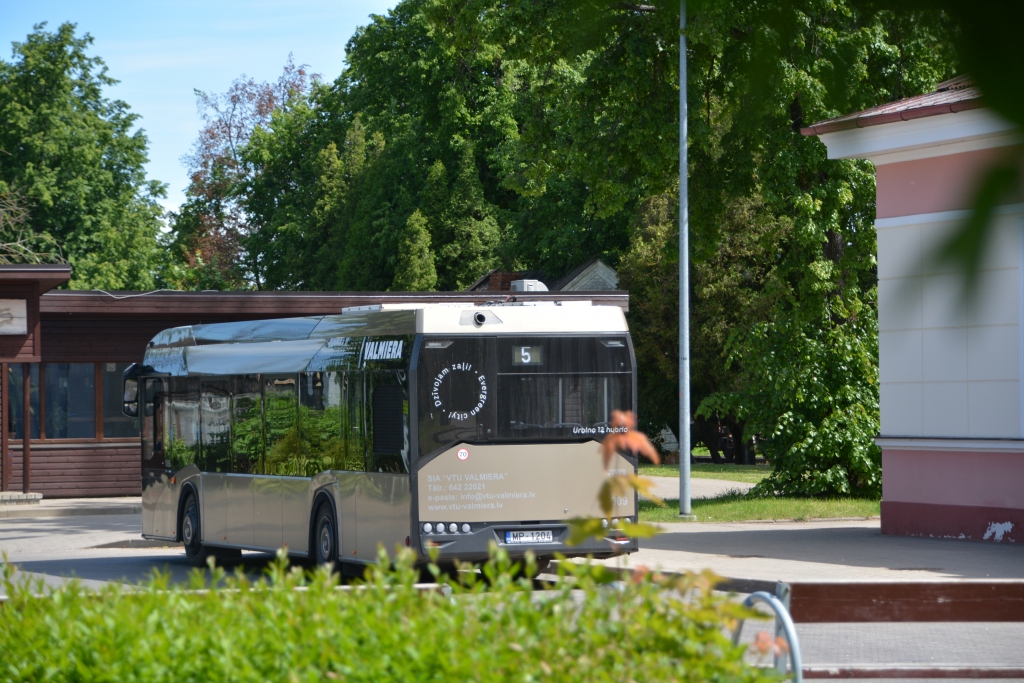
<point x="851" y="546"/>
<point x="133" y="569"/>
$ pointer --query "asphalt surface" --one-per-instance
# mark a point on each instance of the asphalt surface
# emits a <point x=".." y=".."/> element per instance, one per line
<point x="60" y="548"/>
<point x="668" y="487"/>
<point x="56" y="549"/>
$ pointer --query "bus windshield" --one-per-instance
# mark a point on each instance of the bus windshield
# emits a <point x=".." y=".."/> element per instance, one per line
<point x="538" y="388"/>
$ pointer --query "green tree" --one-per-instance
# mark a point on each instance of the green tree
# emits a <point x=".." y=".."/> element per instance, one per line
<point x="208" y="233"/>
<point x="469" y="231"/>
<point x="71" y="154"/>
<point x="415" y="271"/>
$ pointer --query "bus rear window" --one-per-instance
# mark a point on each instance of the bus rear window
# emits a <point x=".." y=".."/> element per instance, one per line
<point x="506" y="389"/>
<point x="559" y="406"/>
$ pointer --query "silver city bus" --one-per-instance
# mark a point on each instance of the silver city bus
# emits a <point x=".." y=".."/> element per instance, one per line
<point x="445" y="427"/>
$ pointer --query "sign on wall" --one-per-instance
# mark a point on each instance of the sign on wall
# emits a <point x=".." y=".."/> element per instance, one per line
<point x="13" y="317"/>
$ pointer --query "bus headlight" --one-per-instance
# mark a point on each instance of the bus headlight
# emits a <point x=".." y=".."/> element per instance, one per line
<point x="466" y="528"/>
<point x="604" y="523"/>
<point x="428" y="527"/>
<point x="453" y="528"/>
<point x="615" y="522"/>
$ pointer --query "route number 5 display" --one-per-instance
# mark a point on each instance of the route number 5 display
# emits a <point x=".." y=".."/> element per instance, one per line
<point x="527" y="355"/>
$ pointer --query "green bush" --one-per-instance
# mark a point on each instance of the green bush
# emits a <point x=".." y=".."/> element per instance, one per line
<point x="293" y="626"/>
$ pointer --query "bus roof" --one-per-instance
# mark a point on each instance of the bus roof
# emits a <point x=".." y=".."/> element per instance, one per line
<point x="314" y="343"/>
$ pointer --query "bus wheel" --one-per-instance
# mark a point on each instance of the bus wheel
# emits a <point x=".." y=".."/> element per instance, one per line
<point x="194" y="550"/>
<point x="326" y="537"/>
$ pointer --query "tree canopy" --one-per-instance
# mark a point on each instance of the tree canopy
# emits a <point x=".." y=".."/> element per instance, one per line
<point x="72" y="156"/>
<point x="467" y="135"/>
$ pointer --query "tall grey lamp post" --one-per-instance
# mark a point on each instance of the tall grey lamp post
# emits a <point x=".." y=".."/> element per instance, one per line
<point x="684" y="284"/>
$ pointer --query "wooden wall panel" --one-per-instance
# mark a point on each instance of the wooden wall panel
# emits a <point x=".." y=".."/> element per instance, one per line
<point x="79" y="471"/>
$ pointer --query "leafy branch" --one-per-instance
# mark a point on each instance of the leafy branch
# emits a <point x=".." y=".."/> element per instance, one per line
<point x="18" y="243"/>
<point x="624" y="438"/>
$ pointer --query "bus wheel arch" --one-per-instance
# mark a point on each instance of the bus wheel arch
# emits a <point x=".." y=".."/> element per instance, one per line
<point x="191" y="531"/>
<point x="186" y="490"/>
<point x="324" y="513"/>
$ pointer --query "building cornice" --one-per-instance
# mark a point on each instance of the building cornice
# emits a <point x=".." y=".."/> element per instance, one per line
<point x="913" y="443"/>
<point x="922" y="138"/>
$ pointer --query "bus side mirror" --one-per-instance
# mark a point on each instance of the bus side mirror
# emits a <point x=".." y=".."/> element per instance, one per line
<point x="131" y="397"/>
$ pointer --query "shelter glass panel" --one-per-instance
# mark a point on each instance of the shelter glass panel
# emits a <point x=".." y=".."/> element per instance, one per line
<point x="15" y="405"/>
<point x="246" y="425"/>
<point x="284" y="448"/>
<point x="216" y="432"/>
<point x="70" y="400"/>
<point x="115" y="423"/>
<point x="181" y="422"/>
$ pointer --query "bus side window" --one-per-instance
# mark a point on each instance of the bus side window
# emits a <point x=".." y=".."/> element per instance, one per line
<point x="151" y="415"/>
<point x="246" y="425"/>
<point x="320" y="419"/>
<point x="284" y="451"/>
<point x="389" y="441"/>
<point x="216" y="425"/>
<point x="181" y="426"/>
<point x="355" y="422"/>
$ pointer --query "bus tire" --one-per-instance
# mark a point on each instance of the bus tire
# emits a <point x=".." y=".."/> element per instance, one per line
<point x="325" y="536"/>
<point x="190" y="533"/>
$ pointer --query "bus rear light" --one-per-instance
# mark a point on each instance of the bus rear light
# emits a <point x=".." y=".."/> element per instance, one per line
<point x="407" y="541"/>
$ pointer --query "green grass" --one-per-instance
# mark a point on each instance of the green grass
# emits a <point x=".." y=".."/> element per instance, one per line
<point x="750" y="474"/>
<point x="738" y="508"/>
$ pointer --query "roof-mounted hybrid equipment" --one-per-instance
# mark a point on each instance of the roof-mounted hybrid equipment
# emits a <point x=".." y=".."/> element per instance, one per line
<point x="528" y="286"/>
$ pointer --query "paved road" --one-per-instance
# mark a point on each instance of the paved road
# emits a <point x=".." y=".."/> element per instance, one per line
<point x="57" y="548"/>
<point x="668" y="487"/>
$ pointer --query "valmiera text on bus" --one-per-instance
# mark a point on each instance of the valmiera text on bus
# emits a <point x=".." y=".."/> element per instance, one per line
<point x="427" y="426"/>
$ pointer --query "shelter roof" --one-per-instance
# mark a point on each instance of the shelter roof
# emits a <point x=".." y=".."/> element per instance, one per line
<point x="48" y="275"/>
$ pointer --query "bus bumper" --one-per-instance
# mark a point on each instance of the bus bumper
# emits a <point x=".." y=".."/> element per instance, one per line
<point x="475" y="545"/>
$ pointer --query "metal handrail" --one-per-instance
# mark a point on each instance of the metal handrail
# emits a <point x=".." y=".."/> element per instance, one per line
<point x="783" y="625"/>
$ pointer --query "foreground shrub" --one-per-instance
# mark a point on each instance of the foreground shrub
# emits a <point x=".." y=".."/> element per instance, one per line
<point x="296" y="627"/>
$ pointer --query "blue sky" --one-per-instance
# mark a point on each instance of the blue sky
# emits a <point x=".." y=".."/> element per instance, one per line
<point x="162" y="51"/>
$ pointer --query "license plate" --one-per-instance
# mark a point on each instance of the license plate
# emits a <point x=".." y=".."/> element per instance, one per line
<point x="517" y="537"/>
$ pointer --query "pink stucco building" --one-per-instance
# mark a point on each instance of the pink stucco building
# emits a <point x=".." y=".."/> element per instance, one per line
<point x="952" y="392"/>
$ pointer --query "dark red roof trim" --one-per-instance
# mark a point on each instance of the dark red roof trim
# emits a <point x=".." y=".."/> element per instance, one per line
<point x="952" y="96"/>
